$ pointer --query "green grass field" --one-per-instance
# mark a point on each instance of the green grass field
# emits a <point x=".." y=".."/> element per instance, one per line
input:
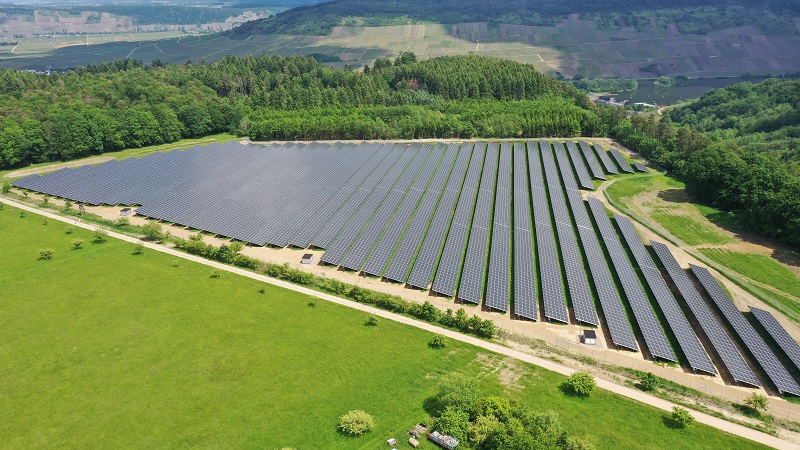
<point x="760" y="268"/>
<point x="101" y="348"/>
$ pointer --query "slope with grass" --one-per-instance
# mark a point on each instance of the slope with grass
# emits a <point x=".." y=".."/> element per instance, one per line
<point x="105" y="348"/>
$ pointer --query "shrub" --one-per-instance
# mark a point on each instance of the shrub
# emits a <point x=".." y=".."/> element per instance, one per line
<point x="152" y="231"/>
<point x="756" y="401"/>
<point x="372" y="321"/>
<point x="68" y="230"/>
<point x="6" y="187"/>
<point x="497" y="407"/>
<point x="215" y="274"/>
<point x="580" y="383"/>
<point x="100" y="236"/>
<point x="457" y="391"/>
<point x="454" y="422"/>
<point x="46" y="200"/>
<point x="681" y="417"/>
<point x="77" y="244"/>
<point x="45" y="254"/>
<point x="44" y="221"/>
<point x="122" y="222"/>
<point x="67" y="204"/>
<point x="22" y="214"/>
<point x="138" y="250"/>
<point x="356" y="422"/>
<point x="648" y="381"/>
<point x="437" y="341"/>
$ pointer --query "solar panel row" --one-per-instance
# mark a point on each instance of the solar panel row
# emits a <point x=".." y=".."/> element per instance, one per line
<point x="654" y="337"/>
<point x="591" y="160"/>
<point x="580" y="167"/>
<point x="779" y="334"/>
<point x="553" y="295"/>
<point x="677" y="322"/>
<point x="498" y="278"/>
<point x="714" y="331"/>
<point x="640" y="167"/>
<point x="578" y="286"/>
<point x="776" y="372"/>
<point x="409" y="244"/>
<point x="605" y="160"/>
<point x="621" y="161"/>
<point x="525" y="302"/>
<point x="470" y="288"/>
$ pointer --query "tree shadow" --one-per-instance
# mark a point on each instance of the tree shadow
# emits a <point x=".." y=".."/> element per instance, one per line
<point x="432" y="405"/>
<point x="674" y="196"/>
<point x="747" y="411"/>
<point x="671" y="423"/>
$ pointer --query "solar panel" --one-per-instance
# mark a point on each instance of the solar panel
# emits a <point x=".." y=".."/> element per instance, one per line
<point x="553" y="295"/>
<point x="621" y="161"/>
<point x="409" y="246"/>
<point x="714" y="331"/>
<point x="591" y="160"/>
<point x="577" y="284"/>
<point x="525" y="302"/>
<point x="448" y="270"/>
<point x="470" y="288"/>
<point x="498" y="278"/>
<point x="686" y="337"/>
<point x="640" y="167"/>
<point x="776" y="372"/>
<point x="654" y="337"/>
<point x="423" y="267"/>
<point x="605" y="160"/>
<point x="779" y="334"/>
<point x="580" y="167"/>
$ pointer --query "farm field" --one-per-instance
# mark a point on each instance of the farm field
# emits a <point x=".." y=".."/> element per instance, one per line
<point x="124" y="350"/>
<point x="566" y="48"/>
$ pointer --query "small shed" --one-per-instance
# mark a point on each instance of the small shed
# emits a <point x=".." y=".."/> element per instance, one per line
<point x="125" y="212"/>
<point x="413" y="442"/>
<point x="308" y="258"/>
<point x="589" y="337"/>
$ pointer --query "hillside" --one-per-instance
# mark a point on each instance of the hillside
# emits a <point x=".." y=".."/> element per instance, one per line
<point x="696" y="16"/>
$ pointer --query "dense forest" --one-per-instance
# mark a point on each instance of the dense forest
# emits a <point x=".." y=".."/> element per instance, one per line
<point x="320" y="19"/>
<point x="736" y="148"/>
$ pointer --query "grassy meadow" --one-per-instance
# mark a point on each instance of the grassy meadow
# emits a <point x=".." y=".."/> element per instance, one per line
<point x="104" y="348"/>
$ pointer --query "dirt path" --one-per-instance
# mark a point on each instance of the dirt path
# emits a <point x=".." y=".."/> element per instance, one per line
<point x="631" y="393"/>
<point x="54" y="167"/>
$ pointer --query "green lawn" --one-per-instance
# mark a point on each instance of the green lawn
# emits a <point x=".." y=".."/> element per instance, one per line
<point x="760" y="268"/>
<point x="101" y="348"/>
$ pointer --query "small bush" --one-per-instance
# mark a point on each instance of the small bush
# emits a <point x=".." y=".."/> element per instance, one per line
<point x="262" y="291"/>
<point x="648" y="381"/>
<point x="122" y="222"/>
<point x="22" y="214"/>
<point x="100" y="236"/>
<point x="580" y="383"/>
<point x="6" y="187"/>
<point x="138" y="250"/>
<point x="437" y="341"/>
<point x="372" y="321"/>
<point x="356" y="422"/>
<point x="68" y="230"/>
<point x="756" y="401"/>
<point x="67" y="204"/>
<point x="681" y="417"/>
<point x="152" y="231"/>
<point x="46" y="200"/>
<point x="44" y="221"/>
<point x="215" y="274"/>
<point x="45" y="254"/>
<point x="77" y="244"/>
<point x="174" y="263"/>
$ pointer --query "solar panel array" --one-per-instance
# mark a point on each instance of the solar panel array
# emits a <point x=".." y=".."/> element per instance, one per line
<point x="605" y="160"/>
<point x="714" y="331"/>
<point x="577" y="284"/>
<point x="676" y="320"/>
<point x="470" y="288"/>
<point x="621" y="161"/>
<point x="407" y="249"/>
<point x="779" y="334"/>
<point x="640" y="167"/>
<point x="591" y="159"/>
<point x="619" y="327"/>
<point x="498" y="278"/>
<point x="653" y="334"/>
<point x="422" y="271"/>
<point x="525" y="300"/>
<point x="455" y="215"/>
<point x="449" y="267"/>
<point x="775" y="371"/>
<point x="553" y="295"/>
